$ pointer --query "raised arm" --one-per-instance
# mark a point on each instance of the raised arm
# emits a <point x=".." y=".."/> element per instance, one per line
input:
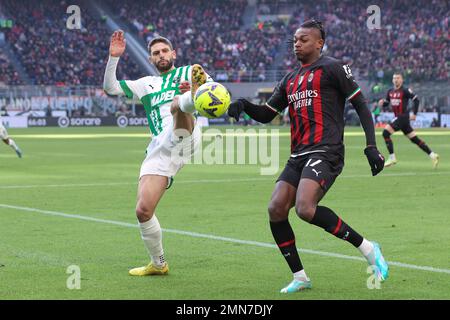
<point x="116" y="48"/>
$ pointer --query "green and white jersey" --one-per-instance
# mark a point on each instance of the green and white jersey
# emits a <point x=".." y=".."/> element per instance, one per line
<point x="156" y="94"/>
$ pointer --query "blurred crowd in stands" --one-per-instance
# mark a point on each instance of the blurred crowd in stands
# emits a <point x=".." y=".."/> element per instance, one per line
<point x="208" y="32"/>
<point x="53" y="54"/>
<point x="413" y="38"/>
<point x="225" y="37"/>
<point x="8" y="75"/>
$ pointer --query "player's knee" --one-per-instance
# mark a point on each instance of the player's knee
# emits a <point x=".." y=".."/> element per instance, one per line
<point x="143" y="212"/>
<point x="386" y="134"/>
<point x="278" y="211"/>
<point x="305" y="210"/>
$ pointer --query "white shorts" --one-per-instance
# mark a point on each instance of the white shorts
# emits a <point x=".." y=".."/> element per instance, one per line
<point x="3" y="132"/>
<point x="167" y="153"/>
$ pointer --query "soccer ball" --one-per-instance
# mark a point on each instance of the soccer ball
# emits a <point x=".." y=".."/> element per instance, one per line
<point x="212" y="100"/>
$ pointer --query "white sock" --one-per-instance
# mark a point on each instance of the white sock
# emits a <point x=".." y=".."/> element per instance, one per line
<point x="186" y="103"/>
<point x="152" y="236"/>
<point x="432" y="155"/>
<point x="366" y="248"/>
<point x="392" y="156"/>
<point x="12" y="144"/>
<point x="301" y="275"/>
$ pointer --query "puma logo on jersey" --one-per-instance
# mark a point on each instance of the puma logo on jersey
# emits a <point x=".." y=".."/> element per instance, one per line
<point x="317" y="172"/>
<point x="176" y="80"/>
<point x="151" y="86"/>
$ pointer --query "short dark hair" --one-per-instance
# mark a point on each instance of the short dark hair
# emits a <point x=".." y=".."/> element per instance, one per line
<point x="315" y="24"/>
<point x="158" y="40"/>
<point x="398" y="73"/>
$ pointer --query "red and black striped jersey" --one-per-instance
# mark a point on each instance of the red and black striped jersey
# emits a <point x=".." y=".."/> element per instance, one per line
<point x="399" y="99"/>
<point x="315" y="95"/>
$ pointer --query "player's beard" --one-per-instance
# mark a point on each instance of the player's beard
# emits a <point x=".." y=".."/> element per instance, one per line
<point x="164" y="68"/>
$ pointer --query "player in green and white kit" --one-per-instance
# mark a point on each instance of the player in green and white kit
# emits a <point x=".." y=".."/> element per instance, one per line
<point x="7" y="140"/>
<point x="168" y="102"/>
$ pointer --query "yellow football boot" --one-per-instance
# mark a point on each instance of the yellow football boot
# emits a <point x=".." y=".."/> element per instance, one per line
<point x="150" y="270"/>
<point x="198" y="76"/>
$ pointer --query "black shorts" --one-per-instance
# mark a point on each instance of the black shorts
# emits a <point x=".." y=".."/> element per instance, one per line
<point x="402" y="123"/>
<point x="319" y="167"/>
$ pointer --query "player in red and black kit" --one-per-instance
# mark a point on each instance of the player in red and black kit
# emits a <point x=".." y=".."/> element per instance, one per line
<point x="399" y="97"/>
<point x="315" y="94"/>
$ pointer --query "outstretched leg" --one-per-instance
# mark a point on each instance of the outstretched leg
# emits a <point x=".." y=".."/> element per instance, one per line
<point x="182" y="106"/>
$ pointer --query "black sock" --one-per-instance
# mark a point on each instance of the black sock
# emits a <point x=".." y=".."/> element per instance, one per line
<point x="285" y="239"/>
<point x="388" y="140"/>
<point x="422" y="145"/>
<point x="328" y="220"/>
<point x="390" y="146"/>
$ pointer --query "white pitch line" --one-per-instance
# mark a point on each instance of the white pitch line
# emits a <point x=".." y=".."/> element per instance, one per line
<point x="268" y="178"/>
<point x="219" y="238"/>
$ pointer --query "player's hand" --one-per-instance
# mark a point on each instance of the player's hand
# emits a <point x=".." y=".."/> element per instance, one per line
<point x="184" y="86"/>
<point x="117" y="44"/>
<point x="375" y="158"/>
<point x="412" y="117"/>
<point x="235" y="109"/>
<point x="380" y="102"/>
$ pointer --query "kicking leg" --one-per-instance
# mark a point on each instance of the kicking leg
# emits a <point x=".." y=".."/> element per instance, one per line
<point x="182" y="106"/>
<point x="151" y="189"/>
<point x="182" y="121"/>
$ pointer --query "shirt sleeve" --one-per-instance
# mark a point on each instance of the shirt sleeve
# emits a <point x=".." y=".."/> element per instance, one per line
<point x="409" y="93"/>
<point x="278" y="101"/>
<point x="130" y="88"/>
<point x="344" y="80"/>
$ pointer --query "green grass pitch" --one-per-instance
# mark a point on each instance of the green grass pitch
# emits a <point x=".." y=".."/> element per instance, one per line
<point x="217" y="239"/>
